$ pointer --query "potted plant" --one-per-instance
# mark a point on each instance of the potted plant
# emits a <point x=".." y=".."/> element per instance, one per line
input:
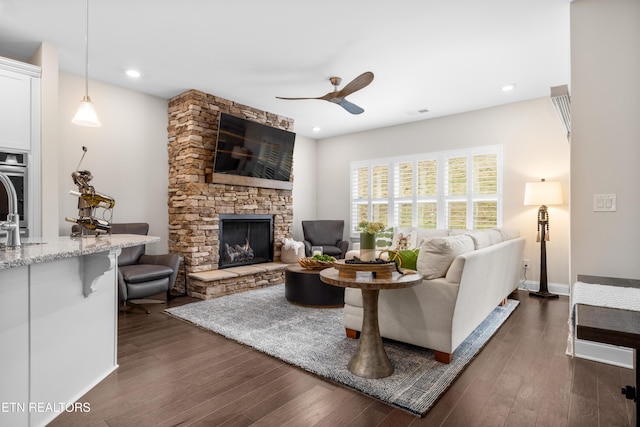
<point x="368" y="230"/>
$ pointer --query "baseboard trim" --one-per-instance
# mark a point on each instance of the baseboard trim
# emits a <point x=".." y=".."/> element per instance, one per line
<point x="554" y="288"/>
<point x="604" y="353"/>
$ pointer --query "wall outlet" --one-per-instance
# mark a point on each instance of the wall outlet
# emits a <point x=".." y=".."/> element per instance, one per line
<point x="526" y="264"/>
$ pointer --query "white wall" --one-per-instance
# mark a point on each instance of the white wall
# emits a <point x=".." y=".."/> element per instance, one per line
<point x="605" y="153"/>
<point x="535" y="146"/>
<point x="304" y="183"/>
<point x="47" y="58"/>
<point x="127" y="156"/>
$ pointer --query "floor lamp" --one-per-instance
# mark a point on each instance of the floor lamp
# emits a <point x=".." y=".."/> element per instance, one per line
<point x="541" y="194"/>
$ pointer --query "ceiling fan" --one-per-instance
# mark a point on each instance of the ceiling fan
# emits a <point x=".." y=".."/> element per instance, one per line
<point x="338" y="96"/>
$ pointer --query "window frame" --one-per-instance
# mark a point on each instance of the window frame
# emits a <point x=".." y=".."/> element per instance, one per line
<point x="441" y="198"/>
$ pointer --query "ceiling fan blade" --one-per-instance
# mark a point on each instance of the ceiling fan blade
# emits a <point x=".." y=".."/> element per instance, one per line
<point x="338" y="96"/>
<point x="350" y="107"/>
<point x="296" y="99"/>
<point x="360" y="82"/>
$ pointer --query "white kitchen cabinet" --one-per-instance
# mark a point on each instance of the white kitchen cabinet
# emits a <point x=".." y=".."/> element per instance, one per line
<point x="14" y="352"/>
<point x="19" y="105"/>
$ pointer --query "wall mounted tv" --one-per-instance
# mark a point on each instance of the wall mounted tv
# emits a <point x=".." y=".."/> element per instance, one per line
<point x="251" y="149"/>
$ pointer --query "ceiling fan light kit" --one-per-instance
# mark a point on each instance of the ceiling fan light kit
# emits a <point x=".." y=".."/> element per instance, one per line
<point x="339" y="96"/>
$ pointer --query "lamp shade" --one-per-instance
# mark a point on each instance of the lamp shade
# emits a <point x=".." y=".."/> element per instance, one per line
<point x="86" y="114"/>
<point x="543" y="193"/>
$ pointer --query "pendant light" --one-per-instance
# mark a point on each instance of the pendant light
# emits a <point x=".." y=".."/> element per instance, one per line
<point x="86" y="114"/>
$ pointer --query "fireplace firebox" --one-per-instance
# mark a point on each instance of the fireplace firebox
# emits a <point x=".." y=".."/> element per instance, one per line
<point x="245" y="239"/>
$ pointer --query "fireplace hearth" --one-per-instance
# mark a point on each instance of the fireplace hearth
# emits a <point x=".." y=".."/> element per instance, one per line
<point x="245" y="240"/>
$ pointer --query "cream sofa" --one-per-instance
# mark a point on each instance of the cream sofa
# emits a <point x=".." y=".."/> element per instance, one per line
<point x="466" y="277"/>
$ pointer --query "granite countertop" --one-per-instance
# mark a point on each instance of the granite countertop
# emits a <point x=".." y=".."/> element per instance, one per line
<point x="34" y="251"/>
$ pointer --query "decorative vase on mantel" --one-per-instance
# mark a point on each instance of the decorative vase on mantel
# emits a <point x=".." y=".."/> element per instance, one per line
<point x="367" y="246"/>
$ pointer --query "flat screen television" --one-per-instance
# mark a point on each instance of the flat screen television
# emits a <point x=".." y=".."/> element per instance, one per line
<point x="252" y="149"/>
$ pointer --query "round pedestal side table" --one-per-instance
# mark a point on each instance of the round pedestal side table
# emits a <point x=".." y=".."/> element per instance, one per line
<point x="370" y="359"/>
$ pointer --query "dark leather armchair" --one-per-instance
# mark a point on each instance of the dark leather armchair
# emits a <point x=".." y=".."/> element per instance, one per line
<point x="325" y="233"/>
<point x="140" y="275"/>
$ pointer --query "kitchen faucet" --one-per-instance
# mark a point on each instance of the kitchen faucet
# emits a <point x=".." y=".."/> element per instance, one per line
<point x="12" y="224"/>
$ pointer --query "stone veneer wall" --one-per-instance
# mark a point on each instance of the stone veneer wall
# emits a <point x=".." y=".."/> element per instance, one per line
<point x="194" y="202"/>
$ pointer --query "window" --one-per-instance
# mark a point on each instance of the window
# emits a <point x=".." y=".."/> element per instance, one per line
<point x="459" y="189"/>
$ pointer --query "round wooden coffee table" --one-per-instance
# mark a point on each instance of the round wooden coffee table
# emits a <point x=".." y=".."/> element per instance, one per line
<point x="370" y="360"/>
<point x="303" y="286"/>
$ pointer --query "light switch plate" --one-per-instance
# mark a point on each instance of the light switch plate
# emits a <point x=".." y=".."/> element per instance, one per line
<point x="604" y="202"/>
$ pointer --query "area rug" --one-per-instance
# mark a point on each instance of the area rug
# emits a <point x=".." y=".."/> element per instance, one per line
<point x="314" y="340"/>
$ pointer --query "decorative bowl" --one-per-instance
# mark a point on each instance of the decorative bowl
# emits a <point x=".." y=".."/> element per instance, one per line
<point x="313" y="264"/>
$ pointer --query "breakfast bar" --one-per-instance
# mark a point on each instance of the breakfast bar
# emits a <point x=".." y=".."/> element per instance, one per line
<point x="58" y="323"/>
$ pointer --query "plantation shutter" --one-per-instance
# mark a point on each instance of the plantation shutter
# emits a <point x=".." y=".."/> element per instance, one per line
<point x="359" y="195"/>
<point x="403" y="206"/>
<point x="485" y="191"/>
<point x="427" y="192"/>
<point x="459" y="189"/>
<point x="380" y="194"/>
<point x="455" y="192"/>
<point x="369" y="194"/>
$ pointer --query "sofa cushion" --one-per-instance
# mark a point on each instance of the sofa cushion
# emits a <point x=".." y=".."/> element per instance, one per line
<point x="425" y="233"/>
<point x="437" y="254"/>
<point x="384" y="239"/>
<point x="457" y="231"/>
<point x="485" y="238"/>
<point x="140" y="273"/>
<point x="454" y="273"/>
<point x="404" y="238"/>
<point x="406" y="258"/>
<point x="508" y="233"/>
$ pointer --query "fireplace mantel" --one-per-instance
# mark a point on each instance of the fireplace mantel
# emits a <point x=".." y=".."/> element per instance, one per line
<point x="248" y="181"/>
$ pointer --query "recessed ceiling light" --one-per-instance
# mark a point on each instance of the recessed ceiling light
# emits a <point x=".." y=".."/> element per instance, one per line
<point x="509" y="87"/>
<point x="133" y="73"/>
<point x="316" y="129"/>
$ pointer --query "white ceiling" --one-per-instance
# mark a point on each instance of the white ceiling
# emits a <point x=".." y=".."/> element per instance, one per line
<point x="447" y="56"/>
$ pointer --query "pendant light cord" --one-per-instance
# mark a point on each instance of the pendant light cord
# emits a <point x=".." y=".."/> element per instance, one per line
<point x="86" y="62"/>
<point x="86" y="114"/>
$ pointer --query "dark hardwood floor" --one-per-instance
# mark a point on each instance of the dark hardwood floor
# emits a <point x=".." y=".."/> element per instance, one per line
<point x="174" y="374"/>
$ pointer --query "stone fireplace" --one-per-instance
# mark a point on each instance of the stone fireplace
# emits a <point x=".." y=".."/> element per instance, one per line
<point x="198" y="199"/>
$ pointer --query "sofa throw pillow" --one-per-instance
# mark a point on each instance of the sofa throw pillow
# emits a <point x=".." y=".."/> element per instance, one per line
<point x="404" y="238"/>
<point x="485" y="238"/>
<point x="437" y="253"/>
<point x="384" y="239"/>
<point x="425" y="233"/>
<point x="508" y="233"/>
<point x="406" y="258"/>
<point x="457" y="231"/>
